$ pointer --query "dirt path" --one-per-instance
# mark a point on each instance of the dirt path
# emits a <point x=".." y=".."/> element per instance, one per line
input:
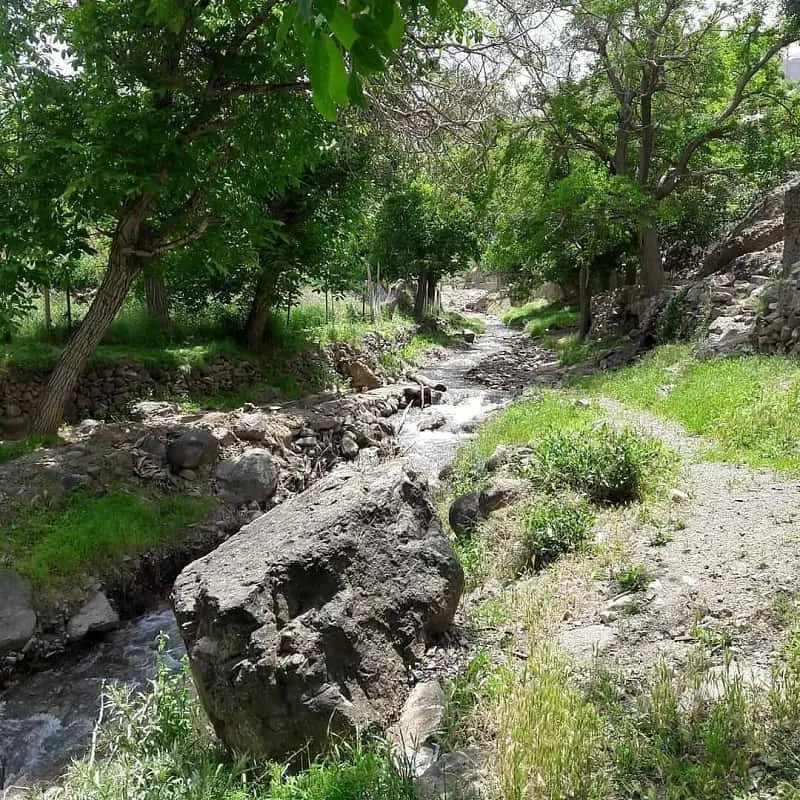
<point x="724" y="560"/>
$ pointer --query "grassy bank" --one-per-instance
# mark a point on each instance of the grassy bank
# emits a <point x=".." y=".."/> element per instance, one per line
<point x="88" y="535"/>
<point x="748" y="407"/>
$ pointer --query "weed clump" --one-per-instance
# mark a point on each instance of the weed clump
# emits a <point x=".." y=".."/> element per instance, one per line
<point x="609" y="467"/>
<point x="554" y="527"/>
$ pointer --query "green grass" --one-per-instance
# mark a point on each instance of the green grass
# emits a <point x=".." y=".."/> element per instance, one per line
<point x="539" y="316"/>
<point x="20" y="447"/>
<point x="748" y="407"/>
<point x="157" y="745"/>
<point x="521" y="423"/>
<point x="54" y="547"/>
<point x="554" y="527"/>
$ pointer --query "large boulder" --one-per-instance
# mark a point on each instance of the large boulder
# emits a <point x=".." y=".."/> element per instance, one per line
<point x="96" y="616"/>
<point x="17" y="617"/>
<point x="305" y="624"/>
<point x="250" y="477"/>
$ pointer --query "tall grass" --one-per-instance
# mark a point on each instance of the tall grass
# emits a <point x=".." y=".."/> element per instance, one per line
<point x="538" y="317"/>
<point x="157" y="745"/>
<point x="53" y="547"/>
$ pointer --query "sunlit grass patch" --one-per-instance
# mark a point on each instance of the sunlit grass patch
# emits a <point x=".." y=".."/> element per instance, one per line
<point x="748" y="407"/>
<point x="55" y="546"/>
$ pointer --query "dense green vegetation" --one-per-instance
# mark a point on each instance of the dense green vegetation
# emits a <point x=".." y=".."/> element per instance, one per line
<point x="159" y="746"/>
<point x="86" y="534"/>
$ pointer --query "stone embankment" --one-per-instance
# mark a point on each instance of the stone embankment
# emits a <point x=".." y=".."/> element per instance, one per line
<point x="108" y="389"/>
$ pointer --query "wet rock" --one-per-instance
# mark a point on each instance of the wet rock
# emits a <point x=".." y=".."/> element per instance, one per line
<point x="432" y="422"/>
<point x="192" y="450"/>
<point x="421" y="719"/>
<point x="465" y="513"/>
<point x="17" y="617"/>
<point x="96" y="616"/>
<point x="362" y="377"/>
<point x="501" y="493"/>
<point x="303" y="626"/>
<point x="249" y="478"/>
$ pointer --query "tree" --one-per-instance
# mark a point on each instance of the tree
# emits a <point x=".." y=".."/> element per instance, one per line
<point x="663" y="93"/>
<point x="418" y="234"/>
<point x="168" y="109"/>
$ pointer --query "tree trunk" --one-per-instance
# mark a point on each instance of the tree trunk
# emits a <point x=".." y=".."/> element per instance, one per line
<point x="430" y="301"/>
<point x="264" y="300"/>
<point x="155" y="292"/>
<point x="585" y="303"/>
<point x="48" y="314"/>
<point x="119" y="275"/>
<point x="422" y="296"/>
<point x="650" y="259"/>
<point x="791" y="230"/>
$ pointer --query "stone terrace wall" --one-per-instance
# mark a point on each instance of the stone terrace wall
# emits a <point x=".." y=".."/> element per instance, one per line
<point x="107" y="390"/>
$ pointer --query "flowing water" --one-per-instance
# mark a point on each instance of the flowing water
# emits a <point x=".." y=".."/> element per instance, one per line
<point x="47" y="718"/>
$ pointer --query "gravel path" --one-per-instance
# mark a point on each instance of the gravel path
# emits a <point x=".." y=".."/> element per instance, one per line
<point x="724" y="567"/>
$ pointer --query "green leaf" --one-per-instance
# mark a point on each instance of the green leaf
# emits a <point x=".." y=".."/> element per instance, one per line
<point x="287" y="20"/>
<point x="366" y="57"/>
<point x="342" y="25"/>
<point x="337" y="73"/>
<point x="395" y="31"/>
<point x="457" y="5"/>
<point x="319" y="65"/>
<point x="369" y="29"/>
<point x="327" y="7"/>
<point x="355" y="91"/>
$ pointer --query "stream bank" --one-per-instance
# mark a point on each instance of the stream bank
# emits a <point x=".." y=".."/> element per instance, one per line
<point x="45" y="718"/>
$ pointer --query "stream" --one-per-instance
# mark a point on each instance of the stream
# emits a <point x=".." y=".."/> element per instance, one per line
<point x="47" y="717"/>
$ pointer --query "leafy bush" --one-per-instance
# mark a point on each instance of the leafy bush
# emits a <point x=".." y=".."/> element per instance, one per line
<point x="610" y="467"/>
<point x="675" y="322"/>
<point x="554" y="527"/>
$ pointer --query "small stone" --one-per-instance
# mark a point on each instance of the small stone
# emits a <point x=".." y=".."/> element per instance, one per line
<point x="465" y="513"/>
<point x="349" y="447"/>
<point x="677" y="496"/>
<point x="96" y="616"/>
<point x="192" y="450"/>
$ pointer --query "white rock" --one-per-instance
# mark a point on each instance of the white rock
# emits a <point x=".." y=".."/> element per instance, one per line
<point x="96" y="616"/>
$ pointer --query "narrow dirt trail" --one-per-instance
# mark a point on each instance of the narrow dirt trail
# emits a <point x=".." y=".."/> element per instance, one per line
<point x="724" y="560"/>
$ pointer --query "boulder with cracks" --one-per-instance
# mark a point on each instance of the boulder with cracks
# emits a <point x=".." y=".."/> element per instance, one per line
<point x="307" y="622"/>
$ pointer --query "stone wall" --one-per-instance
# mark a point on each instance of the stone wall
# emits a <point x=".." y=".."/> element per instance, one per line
<point x="777" y="326"/>
<point x="108" y="389"/>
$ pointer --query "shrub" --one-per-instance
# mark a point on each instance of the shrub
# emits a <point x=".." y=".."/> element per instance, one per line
<point x="554" y="527"/>
<point x="610" y="467"/>
<point x="675" y="322"/>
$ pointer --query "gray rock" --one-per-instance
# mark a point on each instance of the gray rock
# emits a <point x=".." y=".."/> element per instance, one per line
<point x="192" y="450"/>
<point x="421" y="719"/>
<point x="502" y="492"/>
<point x="95" y="616"/>
<point x="500" y="456"/>
<point x="465" y="513"/>
<point x="454" y="775"/>
<point x="432" y="422"/>
<point x="349" y="447"/>
<point x="17" y="617"/>
<point x="251" y="427"/>
<point x="304" y="624"/>
<point x="153" y="409"/>
<point x="468" y="336"/>
<point x="251" y="477"/>
<point x="362" y="377"/>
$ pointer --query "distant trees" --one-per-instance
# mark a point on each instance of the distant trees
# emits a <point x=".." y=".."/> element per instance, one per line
<point x="421" y="235"/>
<point x="662" y="96"/>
